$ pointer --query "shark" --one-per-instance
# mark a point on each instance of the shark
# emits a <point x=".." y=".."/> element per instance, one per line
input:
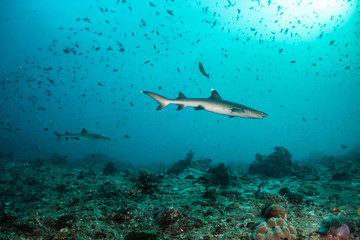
<point x="83" y="135"/>
<point x="213" y="104"/>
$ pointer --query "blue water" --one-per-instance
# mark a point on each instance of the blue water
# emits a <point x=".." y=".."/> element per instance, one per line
<point x="301" y="68"/>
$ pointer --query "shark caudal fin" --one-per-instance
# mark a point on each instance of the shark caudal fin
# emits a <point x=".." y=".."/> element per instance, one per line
<point x="58" y="135"/>
<point x="163" y="101"/>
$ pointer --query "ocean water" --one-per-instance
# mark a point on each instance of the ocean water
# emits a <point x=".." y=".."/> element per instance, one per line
<point x="69" y="65"/>
<point x="66" y="66"/>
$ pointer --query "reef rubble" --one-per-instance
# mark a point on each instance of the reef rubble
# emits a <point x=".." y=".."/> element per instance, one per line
<point x="56" y="200"/>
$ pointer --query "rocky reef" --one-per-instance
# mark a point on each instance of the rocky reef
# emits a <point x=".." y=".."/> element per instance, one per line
<point x="57" y="199"/>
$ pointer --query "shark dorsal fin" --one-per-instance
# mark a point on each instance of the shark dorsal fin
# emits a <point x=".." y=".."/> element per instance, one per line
<point x="214" y="94"/>
<point x="84" y="131"/>
<point x="67" y="133"/>
<point x="181" y="96"/>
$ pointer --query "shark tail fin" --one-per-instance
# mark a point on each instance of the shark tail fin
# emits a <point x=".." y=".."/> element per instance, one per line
<point x="163" y="101"/>
<point x="58" y="135"/>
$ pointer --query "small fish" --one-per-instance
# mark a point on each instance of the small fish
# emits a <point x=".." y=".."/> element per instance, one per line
<point x="202" y="70"/>
<point x="336" y="209"/>
<point x="84" y="135"/>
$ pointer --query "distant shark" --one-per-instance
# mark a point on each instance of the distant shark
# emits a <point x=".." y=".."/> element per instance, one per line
<point x="84" y="135"/>
<point x="213" y="104"/>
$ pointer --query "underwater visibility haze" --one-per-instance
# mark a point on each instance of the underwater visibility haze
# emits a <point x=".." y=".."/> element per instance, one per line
<point x="251" y="82"/>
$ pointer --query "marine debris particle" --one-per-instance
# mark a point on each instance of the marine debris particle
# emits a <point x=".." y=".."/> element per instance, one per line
<point x="202" y="70"/>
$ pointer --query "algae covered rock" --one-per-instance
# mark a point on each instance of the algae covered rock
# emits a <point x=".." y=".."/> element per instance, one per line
<point x="276" y="165"/>
<point x="110" y="169"/>
<point x="134" y="235"/>
<point x="219" y="175"/>
<point x="189" y="162"/>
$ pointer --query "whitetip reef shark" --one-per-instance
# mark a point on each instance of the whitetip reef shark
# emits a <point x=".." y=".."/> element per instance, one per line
<point x="84" y="135"/>
<point x="213" y="104"/>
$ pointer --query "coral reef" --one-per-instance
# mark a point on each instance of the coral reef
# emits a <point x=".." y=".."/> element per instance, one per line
<point x="275" y="229"/>
<point x="147" y="183"/>
<point x="303" y="170"/>
<point x="292" y="197"/>
<point x="219" y="175"/>
<point x="54" y="201"/>
<point x="276" y="165"/>
<point x="110" y="169"/>
<point x="134" y="235"/>
<point x="189" y="162"/>
<point x="181" y="165"/>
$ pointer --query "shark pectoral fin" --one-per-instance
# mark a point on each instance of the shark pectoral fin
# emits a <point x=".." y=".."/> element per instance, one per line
<point x="76" y="138"/>
<point x="180" y="106"/>
<point x="66" y="138"/>
<point x="231" y="116"/>
<point x="199" y="108"/>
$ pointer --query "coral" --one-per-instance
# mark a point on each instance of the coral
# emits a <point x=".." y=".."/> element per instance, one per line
<point x="211" y="193"/>
<point x="233" y="195"/>
<point x="109" y="169"/>
<point x="275" y="211"/>
<point x="122" y="215"/>
<point x="190" y="173"/>
<point x="147" y="182"/>
<point x="304" y="171"/>
<point x="342" y="231"/>
<point x="308" y="189"/>
<point x="341" y="176"/>
<point x="292" y="197"/>
<point x="109" y="190"/>
<point x="168" y="217"/>
<point x="202" y="164"/>
<point x="181" y="165"/>
<point x="278" y="164"/>
<point x="141" y="236"/>
<point x="338" y="226"/>
<point x="217" y="176"/>
<point x="284" y="191"/>
<point x="274" y="229"/>
<point x="295" y="197"/>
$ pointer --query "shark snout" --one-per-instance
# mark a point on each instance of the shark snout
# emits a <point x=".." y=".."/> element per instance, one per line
<point x="262" y="115"/>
